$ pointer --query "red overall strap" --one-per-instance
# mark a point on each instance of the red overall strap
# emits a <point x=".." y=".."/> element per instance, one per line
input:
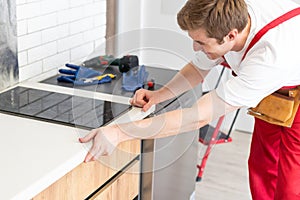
<point x="264" y="30"/>
<point x="271" y="25"/>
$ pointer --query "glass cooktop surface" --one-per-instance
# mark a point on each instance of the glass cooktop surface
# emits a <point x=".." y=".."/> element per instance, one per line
<point x="59" y="108"/>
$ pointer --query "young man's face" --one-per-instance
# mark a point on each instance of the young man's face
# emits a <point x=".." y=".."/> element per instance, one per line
<point x="209" y="46"/>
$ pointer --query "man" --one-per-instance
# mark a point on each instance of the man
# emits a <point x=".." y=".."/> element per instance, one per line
<point x="222" y="30"/>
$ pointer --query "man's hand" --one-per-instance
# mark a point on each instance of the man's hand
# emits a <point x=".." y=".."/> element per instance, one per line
<point x="144" y="99"/>
<point x="105" y="140"/>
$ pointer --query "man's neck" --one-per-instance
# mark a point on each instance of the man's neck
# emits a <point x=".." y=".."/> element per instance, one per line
<point x="242" y="38"/>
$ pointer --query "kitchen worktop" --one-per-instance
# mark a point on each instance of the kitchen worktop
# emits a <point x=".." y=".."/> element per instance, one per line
<point x="35" y="153"/>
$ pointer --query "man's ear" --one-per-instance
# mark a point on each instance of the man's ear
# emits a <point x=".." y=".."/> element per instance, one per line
<point x="232" y="34"/>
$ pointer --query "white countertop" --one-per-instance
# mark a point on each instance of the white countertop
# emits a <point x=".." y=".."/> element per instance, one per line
<point x="34" y="154"/>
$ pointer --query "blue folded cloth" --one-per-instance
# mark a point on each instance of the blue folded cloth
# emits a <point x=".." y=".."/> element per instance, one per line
<point x="134" y="78"/>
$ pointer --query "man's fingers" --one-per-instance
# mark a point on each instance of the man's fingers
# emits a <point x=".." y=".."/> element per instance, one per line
<point x="101" y="152"/>
<point x="146" y="106"/>
<point x="91" y="155"/>
<point x="131" y="101"/>
<point x="96" y="153"/>
<point x="88" y="157"/>
<point x="103" y="144"/>
<point x="139" y="99"/>
<point x="137" y="103"/>
<point x="88" y="137"/>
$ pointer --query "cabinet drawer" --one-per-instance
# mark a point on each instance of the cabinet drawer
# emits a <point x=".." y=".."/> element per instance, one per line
<point x="87" y="177"/>
<point x="124" y="187"/>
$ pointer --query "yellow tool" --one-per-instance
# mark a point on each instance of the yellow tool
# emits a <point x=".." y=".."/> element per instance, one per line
<point x="99" y="78"/>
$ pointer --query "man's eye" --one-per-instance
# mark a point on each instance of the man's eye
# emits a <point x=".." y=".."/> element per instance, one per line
<point x="201" y="43"/>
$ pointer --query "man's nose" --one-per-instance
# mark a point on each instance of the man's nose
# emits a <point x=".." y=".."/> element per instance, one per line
<point x="197" y="46"/>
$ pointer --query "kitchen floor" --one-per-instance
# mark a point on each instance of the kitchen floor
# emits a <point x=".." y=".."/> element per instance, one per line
<point x="225" y="175"/>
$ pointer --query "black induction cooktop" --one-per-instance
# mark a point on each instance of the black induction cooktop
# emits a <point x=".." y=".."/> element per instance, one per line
<point x="59" y="108"/>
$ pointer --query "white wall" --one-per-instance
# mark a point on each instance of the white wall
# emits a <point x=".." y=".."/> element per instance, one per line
<point x="54" y="32"/>
<point x="164" y="45"/>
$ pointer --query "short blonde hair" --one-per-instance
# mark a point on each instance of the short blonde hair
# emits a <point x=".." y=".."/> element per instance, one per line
<point x="216" y="17"/>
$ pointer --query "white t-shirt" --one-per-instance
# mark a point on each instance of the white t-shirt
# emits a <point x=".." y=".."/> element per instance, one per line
<point x="273" y="62"/>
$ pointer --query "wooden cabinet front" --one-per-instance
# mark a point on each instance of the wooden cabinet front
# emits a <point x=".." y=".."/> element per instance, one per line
<point x="116" y="176"/>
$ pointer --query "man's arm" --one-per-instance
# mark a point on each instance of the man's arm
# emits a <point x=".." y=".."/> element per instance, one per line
<point x="205" y="110"/>
<point x="208" y="108"/>
<point x="187" y="78"/>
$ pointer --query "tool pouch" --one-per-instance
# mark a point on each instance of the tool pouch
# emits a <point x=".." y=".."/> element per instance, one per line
<point x="278" y="108"/>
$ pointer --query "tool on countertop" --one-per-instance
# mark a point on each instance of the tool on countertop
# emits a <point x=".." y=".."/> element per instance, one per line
<point x="82" y="76"/>
<point x="134" y="79"/>
<point x="98" y="78"/>
<point x="125" y="63"/>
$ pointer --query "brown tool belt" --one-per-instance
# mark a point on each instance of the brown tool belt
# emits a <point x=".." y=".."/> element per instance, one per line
<point x="279" y="107"/>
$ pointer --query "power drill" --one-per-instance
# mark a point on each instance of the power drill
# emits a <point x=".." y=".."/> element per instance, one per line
<point x="125" y="63"/>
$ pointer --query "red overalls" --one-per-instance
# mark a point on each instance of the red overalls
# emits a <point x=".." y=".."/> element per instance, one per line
<point x="274" y="162"/>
